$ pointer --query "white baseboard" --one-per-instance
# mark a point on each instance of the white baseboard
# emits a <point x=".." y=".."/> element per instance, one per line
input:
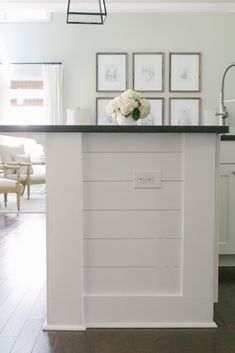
<point x="47" y="327"/>
<point x="129" y="325"/>
<point x="154" y="325"/>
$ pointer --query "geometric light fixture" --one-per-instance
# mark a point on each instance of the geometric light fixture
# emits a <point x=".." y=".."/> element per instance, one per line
<point x="76" y="15"/>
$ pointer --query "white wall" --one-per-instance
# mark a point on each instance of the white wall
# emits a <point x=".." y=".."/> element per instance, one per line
<point x="76" y="46"/>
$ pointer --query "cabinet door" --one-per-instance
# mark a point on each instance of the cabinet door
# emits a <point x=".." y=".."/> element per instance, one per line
<point x="227" y="209"/>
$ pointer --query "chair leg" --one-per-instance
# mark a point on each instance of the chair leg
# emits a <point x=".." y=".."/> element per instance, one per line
<point x="23" y="190"/>
<point x="18" y="200"/>
<point x="5" y="199"/>
<point x="28" y="191"/>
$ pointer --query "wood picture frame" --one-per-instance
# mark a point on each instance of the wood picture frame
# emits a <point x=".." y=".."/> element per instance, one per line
<point x="148" y="72"/>
<point x="102" y="117"/>
<point x="185" y="72"/>
<point x="156" y="116"/>
<point x="111" y="72"/>
<point x="185" y="111"/>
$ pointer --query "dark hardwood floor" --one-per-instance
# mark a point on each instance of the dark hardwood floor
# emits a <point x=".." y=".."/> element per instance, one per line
<point x="22" y="306"/>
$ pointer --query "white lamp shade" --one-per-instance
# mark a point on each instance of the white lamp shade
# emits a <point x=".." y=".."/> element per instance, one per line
<point x="78" y="116"/>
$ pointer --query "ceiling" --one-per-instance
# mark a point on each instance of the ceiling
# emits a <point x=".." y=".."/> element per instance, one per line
<point x="127" y="5"/>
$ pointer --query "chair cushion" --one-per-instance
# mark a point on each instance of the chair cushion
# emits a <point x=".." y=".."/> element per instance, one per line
<point x="7" y="154"/>
<point x="7" y="183"/>
<point x="34" y="178"/>
<point x="23" y="158"/>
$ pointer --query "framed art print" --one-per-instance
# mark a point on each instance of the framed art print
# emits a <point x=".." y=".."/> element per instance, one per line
<point x="148" y="72"/>
<point x="111" y="72"/>
<point x="185" y="71"/>
<point x="156" y="115"/>
<point x="102" y="117"/>
<point x="185" y="111"/>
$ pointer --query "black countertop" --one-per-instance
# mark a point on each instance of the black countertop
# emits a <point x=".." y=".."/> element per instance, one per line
<point x="111" y="129"/>
<point x="228" y="137"/>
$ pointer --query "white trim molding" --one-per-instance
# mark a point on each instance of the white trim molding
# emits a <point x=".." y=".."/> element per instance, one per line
<point x="154" y="325"/>
<point x="47" y="327"/>
<point x="128" y="6"/>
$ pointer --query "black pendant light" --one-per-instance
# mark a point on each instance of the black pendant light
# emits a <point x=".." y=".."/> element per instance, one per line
<point x="82" y="17"/>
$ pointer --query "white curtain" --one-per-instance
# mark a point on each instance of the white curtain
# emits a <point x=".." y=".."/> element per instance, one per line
<point x="53" y="93"/>
<point x="5" y="87"/>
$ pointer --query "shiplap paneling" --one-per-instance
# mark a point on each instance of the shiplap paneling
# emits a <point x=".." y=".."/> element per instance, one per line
<point x="132" y="281"/>
<point x="130" y="224"/>
<point x="118" y="142"/>
<point x="122" y="195"/>
<point x="132" y="243"/>
<point x="120" y="166"/>
<point x="132" y="252"/>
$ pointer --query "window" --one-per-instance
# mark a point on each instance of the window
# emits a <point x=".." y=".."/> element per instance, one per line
<point x="27" y="95"/>
<point x="24" y="15"/>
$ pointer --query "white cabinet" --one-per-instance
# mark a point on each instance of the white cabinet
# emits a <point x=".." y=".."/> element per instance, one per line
<point x="227" y="198"/>
<point x="227" y="209"/>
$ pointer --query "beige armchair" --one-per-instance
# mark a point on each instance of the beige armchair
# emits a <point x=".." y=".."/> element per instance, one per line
<point x="15" y="155"/>
<point x="27" y="178"/>
<point x="10" y="186"/>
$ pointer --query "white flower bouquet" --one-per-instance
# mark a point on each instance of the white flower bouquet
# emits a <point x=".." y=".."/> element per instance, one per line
<point x="129" y="103"/>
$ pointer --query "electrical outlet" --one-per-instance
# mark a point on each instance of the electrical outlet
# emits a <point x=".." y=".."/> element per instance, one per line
<point x="147" y="179"/>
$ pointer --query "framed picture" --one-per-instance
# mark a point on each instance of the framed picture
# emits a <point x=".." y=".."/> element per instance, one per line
<point x="111" y="72"/>
<point x="148" y="72"/>
<point x="102" y="117"/>
<point x="185" y="111"/>
<point x="185" y="71"/>
<point x="156" y="115"/>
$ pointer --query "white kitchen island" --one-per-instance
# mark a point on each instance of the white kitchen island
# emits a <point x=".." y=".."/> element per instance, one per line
<point x="121" y="256"/>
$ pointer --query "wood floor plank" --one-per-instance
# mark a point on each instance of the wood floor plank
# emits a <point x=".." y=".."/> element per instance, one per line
<point x="39" y="309"/>
<point x="76" y="342"/>
<point x="16" y="322"/>
<point x="27" y="338"/>
<point x="10" y="304"/>
<point x="5" y="289"/>
<point x="6" y="344"/>
<point x="45" y="342"/>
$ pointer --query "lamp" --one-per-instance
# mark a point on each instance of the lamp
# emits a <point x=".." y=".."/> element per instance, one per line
<point x="223" y="113"/>
<point x="86" y="17"/>
<point x="78" y="116"/>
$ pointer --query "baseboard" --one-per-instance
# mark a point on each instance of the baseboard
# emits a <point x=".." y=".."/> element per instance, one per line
<point x="149" y="311"/>
<point x="48" y="327"/>
<point x="154" y="325"/>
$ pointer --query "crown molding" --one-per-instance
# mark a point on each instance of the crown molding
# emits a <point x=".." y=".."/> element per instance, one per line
<point x="127" y="7"/>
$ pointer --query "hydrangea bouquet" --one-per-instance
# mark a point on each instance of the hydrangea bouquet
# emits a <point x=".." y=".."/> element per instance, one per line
<point x="129" y="104"/>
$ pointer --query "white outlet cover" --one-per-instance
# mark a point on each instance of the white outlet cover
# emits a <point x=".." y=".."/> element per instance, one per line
<point x="151" y="179"/>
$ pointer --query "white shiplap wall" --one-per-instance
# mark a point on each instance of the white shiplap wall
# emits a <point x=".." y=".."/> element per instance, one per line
<point x="132" y="237"/>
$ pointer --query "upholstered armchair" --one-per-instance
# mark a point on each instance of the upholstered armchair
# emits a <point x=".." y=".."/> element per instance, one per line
<point x="10" y="186"/>
<point x="35" y="178"/>
<point x="29" y="175"/>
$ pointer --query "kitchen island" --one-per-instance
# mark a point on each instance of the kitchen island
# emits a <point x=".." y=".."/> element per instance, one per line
<point x="132" y="236"/>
